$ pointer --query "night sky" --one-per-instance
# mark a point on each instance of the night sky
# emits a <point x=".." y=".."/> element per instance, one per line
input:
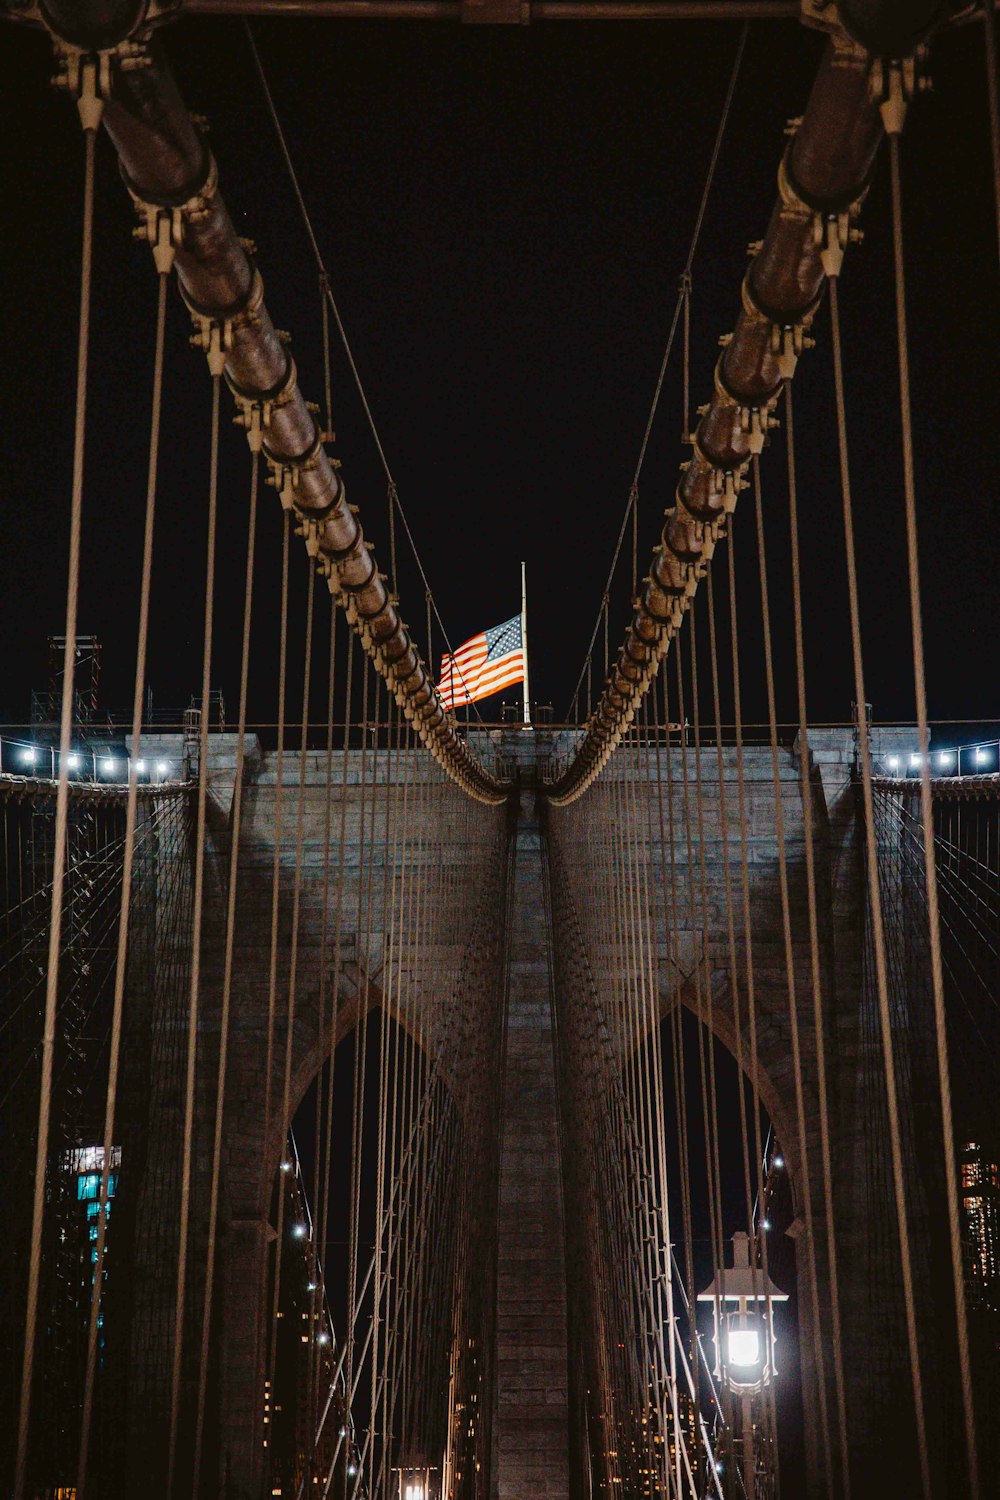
<point x="504" y="213"/>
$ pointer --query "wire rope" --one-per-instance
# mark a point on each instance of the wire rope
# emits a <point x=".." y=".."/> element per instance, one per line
<point x="926" y="813"/>
<point x="187" y="1150"/>
<point x="790" y="971"/>
<point x="62" y="802"/>
<point x="681" y="303"/>
<point x="128" y="852"/>
<point x="875" y="906"/>
<point x="814" y="950"/>
<point x="236" y="826"/>
<point x="327" y="291"/>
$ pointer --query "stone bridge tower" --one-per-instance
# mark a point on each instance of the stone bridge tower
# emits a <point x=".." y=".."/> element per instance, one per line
<point x="521" y="884"/>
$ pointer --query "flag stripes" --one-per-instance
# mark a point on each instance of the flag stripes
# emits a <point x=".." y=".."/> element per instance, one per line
<point x="484" y="665"/>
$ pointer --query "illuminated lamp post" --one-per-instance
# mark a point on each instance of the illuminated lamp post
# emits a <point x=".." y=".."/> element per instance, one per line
<point x="745" y="1345"/>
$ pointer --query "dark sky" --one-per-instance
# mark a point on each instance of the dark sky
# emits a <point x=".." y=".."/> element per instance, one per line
<point x="504" y="213"/>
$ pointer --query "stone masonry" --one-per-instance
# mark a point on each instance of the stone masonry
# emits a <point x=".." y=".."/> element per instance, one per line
<point x="475" y="857"/>
<point x="532" y="1363"/>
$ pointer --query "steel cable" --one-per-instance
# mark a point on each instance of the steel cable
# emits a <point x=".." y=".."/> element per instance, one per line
<point x="926" y="813"/>
<point x="875" y="905"/>
<point x="201" y="830"/>
<point x="62" y="802"/>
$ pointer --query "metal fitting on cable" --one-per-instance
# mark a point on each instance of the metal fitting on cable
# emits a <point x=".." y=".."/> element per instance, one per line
<point x="215" y="336"/>
<point x="728" y="484"/>
<point x="832" y="233"/>
<point x="87" y="73"/>
<point x="253" y="417"/>
<point x="281" y="477"/>
<point x="757" y="422"/>
<point x="788" y="343"/>
<point x="894" y="84"/>
<point x="163" y="230"/>
<point x="162" y="224"/>
<point x="86" y="76"/>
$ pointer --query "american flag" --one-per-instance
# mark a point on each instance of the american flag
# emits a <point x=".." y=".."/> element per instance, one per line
<point x="492" y="660"/>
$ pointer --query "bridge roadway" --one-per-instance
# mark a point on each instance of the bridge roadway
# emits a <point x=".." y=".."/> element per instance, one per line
<point x="541" y="858"/>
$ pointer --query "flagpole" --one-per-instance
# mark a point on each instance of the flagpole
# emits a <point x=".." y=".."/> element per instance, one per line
<point x="524" y="646"/>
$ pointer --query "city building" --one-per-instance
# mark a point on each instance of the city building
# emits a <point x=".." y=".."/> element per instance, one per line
<point x="979" y="1179"/>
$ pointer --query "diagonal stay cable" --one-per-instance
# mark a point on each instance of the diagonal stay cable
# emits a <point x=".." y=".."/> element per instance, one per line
<point x="327" y="291"/>
<point x="682" y="294"/>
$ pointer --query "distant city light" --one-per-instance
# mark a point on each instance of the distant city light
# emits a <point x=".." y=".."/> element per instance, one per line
<point x="286" y="1166"/>
<point x="765" y="1223"/>
<point x="310" y="1286"/>
<point x="778" y="1161"/>
<point x="299" y="1231"/>
<point x="323" y="1338"/>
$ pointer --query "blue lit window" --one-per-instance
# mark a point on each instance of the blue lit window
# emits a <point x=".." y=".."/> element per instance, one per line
<point x="88" y="1186"/>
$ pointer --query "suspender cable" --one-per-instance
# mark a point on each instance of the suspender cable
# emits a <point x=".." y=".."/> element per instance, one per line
<point x="90" y="116"/>
<point x="327" y="290"/>
<point x="681" y="303"/>
<point x="893" y="127"/>
<point x="284" y="1119"/>
<point x="875" y="906"/>
<point x="990" y="40"/>
<point x="751" y="978"/>
<point x="227" y="978"/>
<point x="821" y="181"/>
<point x="805" y="760"/>
<point x="318" y="1242"/>
<point x="166" y="161"/>
<point x="793" y="1001"/>
<point x="710" y="1099"/>
<point x="121" y="955"/>
<point x="197" y="918"/>
<point x="276" y="834"/>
